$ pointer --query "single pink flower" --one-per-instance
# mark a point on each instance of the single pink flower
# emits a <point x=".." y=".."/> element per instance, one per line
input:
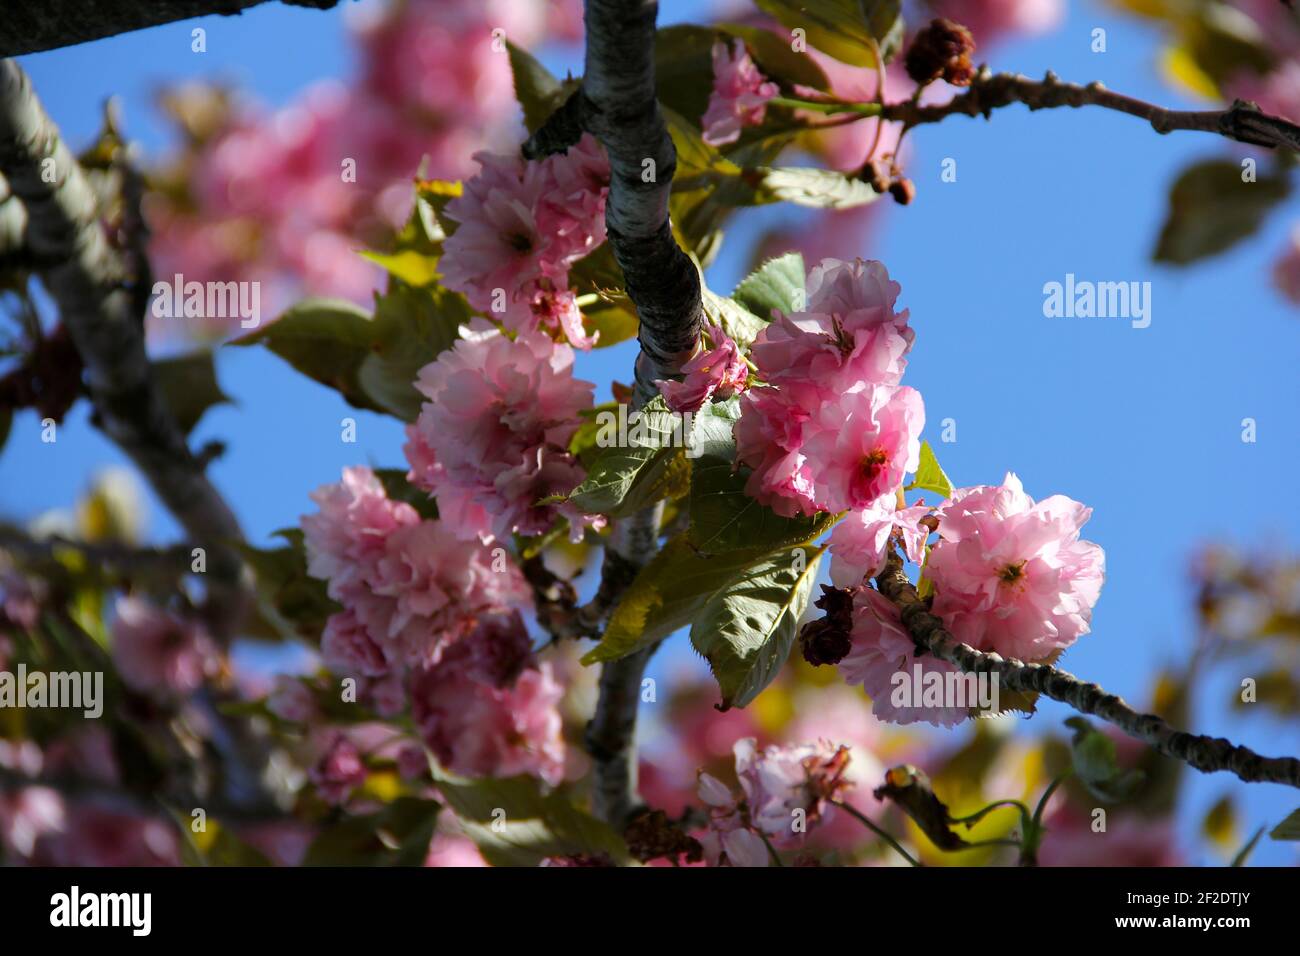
<point x="859" y="544"/>
<point x="864" y="444"/>
<point x="787" y="788"/>
<point x="720" y="372"/>
<point x="739" y="97"/>
<point x="883" y="656"/>
<point x="480" y="730"/>
<point x="157" y="651"/>
<point x="338" y="771"/>
<point x="729" y="840"/>
<point x="1011" y="575"/>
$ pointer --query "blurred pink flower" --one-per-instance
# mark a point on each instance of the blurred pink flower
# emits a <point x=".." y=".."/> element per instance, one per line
<point x="156" y="651"/>
<point x="739" y="97"/>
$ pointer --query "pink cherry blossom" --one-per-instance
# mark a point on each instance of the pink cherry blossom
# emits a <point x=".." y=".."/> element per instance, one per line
<point x="739" y="97"/>
<point x="787" y="787"/>
<point x="496" y="428"/>
<point x="860" y="542"/>
<point x="156" y="651"/>
<point x="479" y="730"/>
<point x="720" y="372"/>
<point x="1011" y="575"/>
<point x="864" y="443"/>
<point x="338" y="770"/>
<point x="729" y="840"/>
<point x="291" y="699"/>
<point x="993" y="20"/>
<point x="409" y="588"/>
<point x="883" y="649"/>
<point x="521" y="226"/>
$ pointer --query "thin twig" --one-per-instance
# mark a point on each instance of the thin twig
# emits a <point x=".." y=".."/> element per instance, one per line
<point x="1206" y="754"/>
<point x="1242" y="121"/>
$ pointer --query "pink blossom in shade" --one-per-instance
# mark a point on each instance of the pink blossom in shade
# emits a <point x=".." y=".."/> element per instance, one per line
<point x="1128" y="840"/>
<point x="882" y="649"/>
<point x="729" y="840"/>
<point x="1286" y="270"/>
<point x="291" y="699"/>
<point x="338" y="770"/>
<point x="789" y="783"/>
<point x="348" y="649"/>
<point x="100" y="836"/>
<point x="479" y="730"/>
<point x="453" y="850"/>
<point x="1276" y="92"/>
<point x="1011" y="575"/>
<point x="993" y="20"/>
<point x="496" y="651"/>
<point x="386" y="695"/>
<point x="283" y="843"/>
<point x="860" y="542"/>
<point x="498" y="423"/>
<point x="739" y="97"/>
<point x="156" y="651"/>
<point x="720" y="372"/>
<point x="428" y="590"/>
<point x="863" y="446"/>
<point x="26" y="815"/>
<point x="412" y="762"/>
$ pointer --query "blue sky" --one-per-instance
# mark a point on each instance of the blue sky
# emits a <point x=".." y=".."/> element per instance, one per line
<point x="1143" y="425"/>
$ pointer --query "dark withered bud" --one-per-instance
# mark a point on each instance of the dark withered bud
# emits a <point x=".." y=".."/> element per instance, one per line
<point x="652" y="835"/>
<point x="903" y="191"/>
<point x="941" y="50"/>
<point x="828" y="640"/>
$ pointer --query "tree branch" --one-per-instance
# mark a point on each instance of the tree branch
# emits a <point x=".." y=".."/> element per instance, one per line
<point x="618" y="105"/>
<point x="1206" y="754"/>
<point x="99" y="302"/>
<point x="1243" y="121"/>
<point x="30" y="28"/>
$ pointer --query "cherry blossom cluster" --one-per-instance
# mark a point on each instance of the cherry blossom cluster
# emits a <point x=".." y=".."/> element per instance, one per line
<point x="831" y="429"/>
<point x="287" y="197"/>
<point x="492" y="440"/>
<point x="434" y="619"/>
<point x="520" y="227"/>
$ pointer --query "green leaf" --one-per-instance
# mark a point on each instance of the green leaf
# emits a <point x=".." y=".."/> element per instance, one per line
<point x="843" y="29"/>
<point x="412" y="267"/>
<point x="1244" y="853"/>
<point x="539" y="93"/>
<point x="746" y="629"/>
<point x="411" y="328"/>
<point x="189" y="387"/>
<point x="326" y="340"/>
<point x="1097" y="765"/>
<point x="723" y="517"/>
<point x="624" y="479"/>
<point x="397" y="835"/>
<point x="777" y="58"/>
<point x="1211" y="210"/>
<point x="666" y="595"/>
<point x="929" y="476"/>
<point x="290" y="601"/>
<point x="1288" y="829"/>
<point x="776" y="284"/>
<point x="737" y="321"/>
<point x="815" y="188"/>
<point x="515" y="824"/>
<point x="398" y="488"/>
